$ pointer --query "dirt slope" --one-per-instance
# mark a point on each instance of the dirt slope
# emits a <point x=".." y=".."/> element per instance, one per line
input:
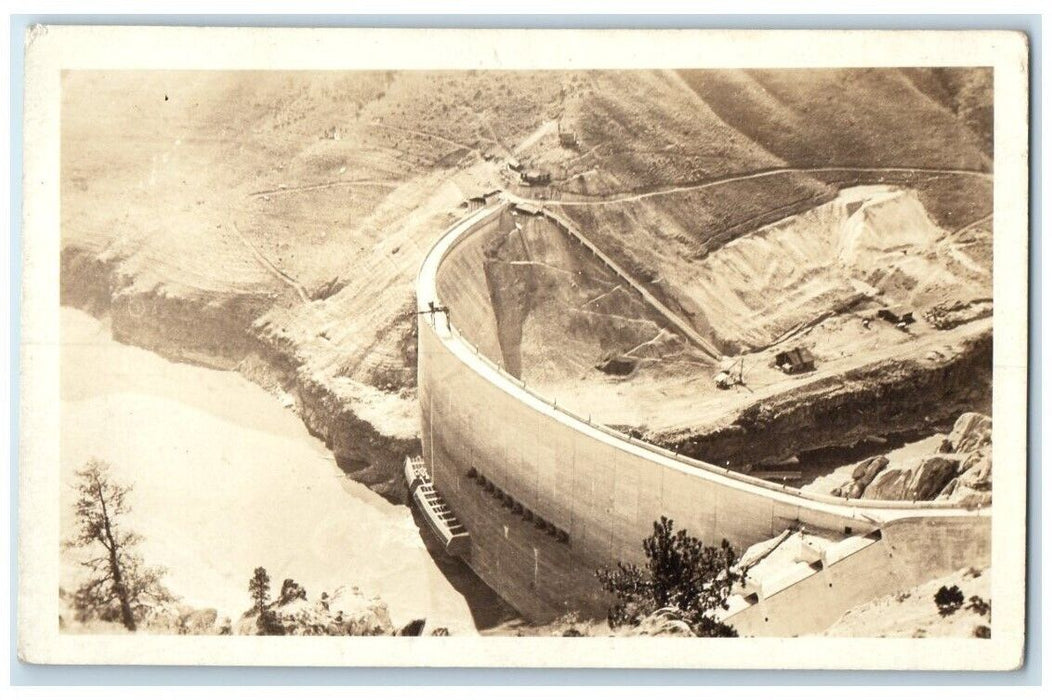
<point x="913" y="613"/>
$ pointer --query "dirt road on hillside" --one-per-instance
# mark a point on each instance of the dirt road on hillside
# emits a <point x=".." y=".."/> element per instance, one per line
<point x="659" y="191"/>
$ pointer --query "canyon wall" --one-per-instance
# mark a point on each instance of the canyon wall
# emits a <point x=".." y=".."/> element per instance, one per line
<point x="220" y="331"/>
<point x="896" y="397"/>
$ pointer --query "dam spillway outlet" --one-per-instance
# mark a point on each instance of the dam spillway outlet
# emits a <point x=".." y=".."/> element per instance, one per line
<point x="493" y="445"/>
<point x="509" y="502"/>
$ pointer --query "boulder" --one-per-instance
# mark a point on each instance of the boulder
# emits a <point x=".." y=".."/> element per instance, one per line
<point x="888" y="485"/>
<point x="862" y="474"/>
<point x="970" y="432"/>
<point x="860" y="469"/>
<point x="199" y="622"/>
<point x="414" y="629"/>
<point x="929" y="476"/>
<point x="977" y="475"/>
<point x="866" y="470"/>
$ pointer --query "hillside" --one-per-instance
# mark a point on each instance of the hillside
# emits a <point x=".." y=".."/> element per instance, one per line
<point x="913" y="612"/>
<point x="274" y="222"/>
<point x="846" y="117"/>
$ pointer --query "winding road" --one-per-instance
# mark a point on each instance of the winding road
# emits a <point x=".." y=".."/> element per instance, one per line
<point x="634" y="197"/>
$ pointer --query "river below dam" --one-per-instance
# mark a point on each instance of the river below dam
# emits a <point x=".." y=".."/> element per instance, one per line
<point x="226" y="479"/>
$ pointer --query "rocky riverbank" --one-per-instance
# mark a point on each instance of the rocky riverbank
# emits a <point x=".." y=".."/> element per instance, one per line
<point x="369" y="430"/>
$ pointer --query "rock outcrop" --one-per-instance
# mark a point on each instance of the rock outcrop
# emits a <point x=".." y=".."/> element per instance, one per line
<point x="892" y="397"/>
<point x="346" y="612"/>
<point x="974" y="485"/>
<point x="921" y="479"/>
<point x="959" y="471"/>
<point x="861" y="477"/>
<point x="971" y="432"/>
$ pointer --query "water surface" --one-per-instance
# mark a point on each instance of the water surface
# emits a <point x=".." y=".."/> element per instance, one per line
<point x="226" y="479"/>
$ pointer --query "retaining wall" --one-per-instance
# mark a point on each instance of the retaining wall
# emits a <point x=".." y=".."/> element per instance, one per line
<point x="909" y="552"/>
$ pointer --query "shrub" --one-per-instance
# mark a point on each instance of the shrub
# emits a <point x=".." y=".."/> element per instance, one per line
<point x="979" y="606"/>
<point x="949" y="600"/>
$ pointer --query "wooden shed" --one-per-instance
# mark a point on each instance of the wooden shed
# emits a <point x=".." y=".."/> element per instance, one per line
<point x="536" y="177"/>
<point x="795" y="361"/>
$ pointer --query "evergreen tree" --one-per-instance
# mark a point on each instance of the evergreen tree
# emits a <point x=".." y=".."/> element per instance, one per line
<point x="267" y="621"/>
<point x="681" y="574"/>
<point x="259" y="588"/>
<point x="120" y="586"/>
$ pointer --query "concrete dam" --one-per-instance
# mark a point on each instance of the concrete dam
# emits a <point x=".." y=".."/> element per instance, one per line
<point x="548" y="496"/>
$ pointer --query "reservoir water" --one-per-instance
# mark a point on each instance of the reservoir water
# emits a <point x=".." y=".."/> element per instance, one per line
<point x="226" y="479"/>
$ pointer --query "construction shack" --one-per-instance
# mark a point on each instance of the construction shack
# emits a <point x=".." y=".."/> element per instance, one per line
<point x="536" y="178"/>
<point x="476" y="202"/>
<point x="795" y="361"/>
<point x="899" y="319"/>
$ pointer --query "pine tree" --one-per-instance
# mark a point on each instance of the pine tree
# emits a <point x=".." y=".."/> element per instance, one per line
<point x="120" y="586"/>
<point x="267" y="622"/>
<point x="681" y="574"/>
<point x="259" y="588"/>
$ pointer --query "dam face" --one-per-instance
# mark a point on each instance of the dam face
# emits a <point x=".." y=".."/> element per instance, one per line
<point x="548" y="497"/>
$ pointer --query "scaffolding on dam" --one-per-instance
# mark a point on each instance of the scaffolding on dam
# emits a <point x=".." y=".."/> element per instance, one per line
<point x="436" y="512"/>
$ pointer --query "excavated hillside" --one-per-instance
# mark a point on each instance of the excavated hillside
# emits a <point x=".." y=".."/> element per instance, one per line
<point x="274" y="222"/>
<point x="541" y="304"/>
<point x="871" y="242"/>
<point x="534" y="298"/>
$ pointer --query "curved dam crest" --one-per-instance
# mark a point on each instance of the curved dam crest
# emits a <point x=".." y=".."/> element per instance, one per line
<point x="562" y="496"/>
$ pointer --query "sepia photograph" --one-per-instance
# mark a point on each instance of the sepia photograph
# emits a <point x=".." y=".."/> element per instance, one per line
<point x="514" y="349"/>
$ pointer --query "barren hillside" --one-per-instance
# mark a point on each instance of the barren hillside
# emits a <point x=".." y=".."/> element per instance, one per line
<point x="274" y="222"/>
